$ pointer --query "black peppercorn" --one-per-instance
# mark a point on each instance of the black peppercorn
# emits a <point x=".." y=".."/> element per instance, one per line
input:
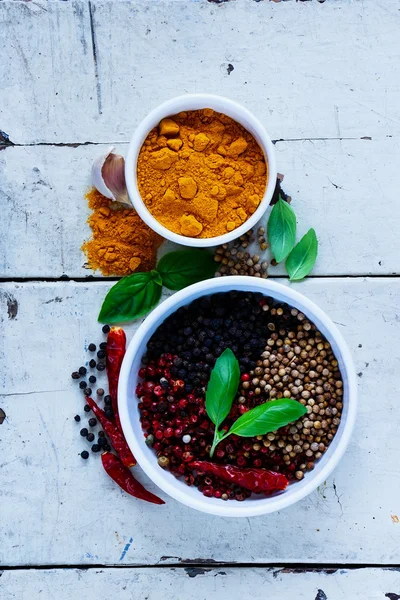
<point x="102" y="434"/>
<point x="100" y="392"/>
<point x="109" y="413"/>
<point x="107" y="447"/>
<point x="101" y="366"/>
<point x="101" y="354"/>
<point x="82" y="370"/>
<point x="87" y="408"/>
<point x="92" y="379"/>
<point x="92" y="363"/>
<point x="87" y="391"/>
<point x="75" y="375"/>
<point x="107" y="400"/>
<point x="95" y="448"/>
<point x="103" y="345"/>
<point x="77" y="418"/>
<point x="101" y="442"/>
<point x="85" y="454"/>
<point x="90" y="437"/>
<point x="92" y="347"/>
<point x="84" y="432"/>
<point x="82" y="384"/>
<point x="105" y="328"/>
<point x="92" y="422"/>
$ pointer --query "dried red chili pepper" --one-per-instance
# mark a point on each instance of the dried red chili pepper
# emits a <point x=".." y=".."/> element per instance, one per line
<point x="115" y="352"/>
<point x="255" y="480"/>
<point x="117" y="438"/>
<point x="124" y="478"/>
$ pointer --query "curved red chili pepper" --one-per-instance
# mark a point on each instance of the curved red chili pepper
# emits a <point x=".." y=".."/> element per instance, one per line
<point x="117" y="438"/>
<point x="115" y="352"/>
<point x="255" y="480"/>
<point x="124" y="478"/>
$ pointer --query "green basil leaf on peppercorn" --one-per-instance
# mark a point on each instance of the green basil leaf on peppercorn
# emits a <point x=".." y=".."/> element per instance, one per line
<point x="281" y="230"/>
<point x="268" y="417"/>
<point x="131" y="297"/>
<point x="302" y="258"/>
<point x="222" y="387"/>
<point x="184" y="267"/>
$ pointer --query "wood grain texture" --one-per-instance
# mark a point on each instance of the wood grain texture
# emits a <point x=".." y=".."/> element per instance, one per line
<point x="58" y="509"/>
<point x="201" y="584"/>
<point x="346" y="190"/>
<point x="79" y="72"/>
<point x="323" y="78"/>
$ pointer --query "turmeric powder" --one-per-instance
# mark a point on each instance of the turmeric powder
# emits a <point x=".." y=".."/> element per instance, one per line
<point x="120" y="242"/>
<point x="201" y="174"/>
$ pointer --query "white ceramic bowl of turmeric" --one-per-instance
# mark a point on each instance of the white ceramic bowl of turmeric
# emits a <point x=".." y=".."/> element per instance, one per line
<point x="191" y="194"/>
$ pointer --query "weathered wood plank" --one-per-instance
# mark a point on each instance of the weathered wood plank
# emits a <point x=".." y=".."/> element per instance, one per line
<point x="347" y="190"/>
<point x="306" y="69"/>
<point x="200" y="584"/>
<point x="58" y="509"/>
<point x="48" y="87"/>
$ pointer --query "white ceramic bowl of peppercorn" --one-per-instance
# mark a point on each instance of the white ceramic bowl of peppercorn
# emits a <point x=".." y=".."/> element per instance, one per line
<point x="257" y="504"/>
<point x="194" y="102"/>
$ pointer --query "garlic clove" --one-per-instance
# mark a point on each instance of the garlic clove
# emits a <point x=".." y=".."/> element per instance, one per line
<point x="108" y="177"/>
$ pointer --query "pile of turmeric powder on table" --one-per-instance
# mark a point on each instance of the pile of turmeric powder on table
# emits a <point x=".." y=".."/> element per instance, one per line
<point x="121" y="243"/>
<point x="201" y="174"/>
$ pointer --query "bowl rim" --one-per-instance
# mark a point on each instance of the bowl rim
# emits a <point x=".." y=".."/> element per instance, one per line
<point x="155" y="473"/>
<point x="171" y="107"/>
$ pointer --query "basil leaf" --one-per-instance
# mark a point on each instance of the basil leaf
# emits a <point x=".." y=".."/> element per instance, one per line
<point x="268" y="417"/>
<point x="303" y="256"/>
<point x="281" y="229"/>
<point x="222" y="387"/>
<point x="183" y="267"/>
<point x="132" y="297"/>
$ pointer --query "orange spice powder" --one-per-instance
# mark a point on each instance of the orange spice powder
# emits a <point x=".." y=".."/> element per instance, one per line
<point x="201" y="174"/>
<point x="121" y="243"/>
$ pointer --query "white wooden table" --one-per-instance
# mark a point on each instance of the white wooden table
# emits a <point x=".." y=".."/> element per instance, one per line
<point x="76" y="76"/>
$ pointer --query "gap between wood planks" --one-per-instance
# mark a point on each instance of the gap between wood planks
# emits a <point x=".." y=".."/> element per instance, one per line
<point x="94" y="279"/>
<point x="5" y="141"/>
<point x="205" y="565"/>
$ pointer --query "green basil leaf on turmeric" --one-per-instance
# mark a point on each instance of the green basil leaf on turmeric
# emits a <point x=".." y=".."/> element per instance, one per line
<point x="131" y="297"/>
<point x="184" y="267"/>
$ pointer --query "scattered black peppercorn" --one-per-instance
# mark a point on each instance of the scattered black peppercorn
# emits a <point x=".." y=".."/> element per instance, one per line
<point x="82" y="384"/>
<point x="84" y="432"/>
<point x="101" y="366"/>
<point x="101" y="442"/>
<point x="101" y="354"/>
<point x="107" y="400"/>
<point x="107" y="447"/>
<point x="92" y="363"/>
<point x="92" y="379"/>
<point x="85" y="454"/>
<point x="102" y="434"/>
<point x="92" y="422"/>
<point x="105" y="328"/>
<point x="75" y="375"/>
<point x="95" y="448"/>
<point x="92" y="347"/>
<point x="87" y="408"/>
<point x="87" y="391"/>
<point x="90" y="437"/>
<point x="109" y="413"/>
<point x="77" y="418"/>
<point x="100" y="392"/>
<point x="82" y="370"/>
<point x="103" y="345"/>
